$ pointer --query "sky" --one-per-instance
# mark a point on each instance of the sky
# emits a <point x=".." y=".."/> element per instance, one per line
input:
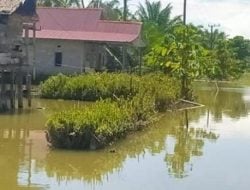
<point x="233" y="16"/>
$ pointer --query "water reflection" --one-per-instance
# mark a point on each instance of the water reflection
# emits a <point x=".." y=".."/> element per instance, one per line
<point x="189" y="139"/>
<point x="189" y="143"/>
<point x="23" y="148"/>
<point x="16" y="150"/>
<point x="24" y="154"/>
<point x="177" y="140"/>
<point x="94" y="167"/>
<point x="230" y="102"/>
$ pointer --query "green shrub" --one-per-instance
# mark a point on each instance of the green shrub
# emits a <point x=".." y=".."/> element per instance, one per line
<point x="54" y="86"/>
<point x="129" y="104"/>
<point x="92" y="87"/>
<point x="92" y="127"/>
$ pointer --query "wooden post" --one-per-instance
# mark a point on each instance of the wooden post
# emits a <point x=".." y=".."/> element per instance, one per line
<point x="20" y="89"/>
<point x="28" y="87"/>
<point x="82" y="58"/>
<point x="186" y="119"/>
<point x="26" y="41"/>
<point x="140" y="61"/>
<point x="125" y="10"/>
<point x="34" y="50"/>
<point x="105" y="59"/>
<point x="12" y="91"/>
<point x="185" y="12"/>
<point x="124" y="58"/>
<point x="3" y="93"/>
<point x="1" y="133"/>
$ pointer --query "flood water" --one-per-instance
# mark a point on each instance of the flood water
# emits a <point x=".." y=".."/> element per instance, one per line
<point x="210" y="151"/>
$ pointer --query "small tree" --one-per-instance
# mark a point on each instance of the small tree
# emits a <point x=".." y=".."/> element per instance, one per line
<point x="181" y="55"/>
<point x="222" y="64"/>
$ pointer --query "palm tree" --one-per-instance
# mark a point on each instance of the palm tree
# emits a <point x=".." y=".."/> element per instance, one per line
<point x="110" y="8"/>
<point x="61" y="3"/>
<point x="210" y="39"/>
<point x="95" y="4"/>
<point x="44" y="3"/>
<point x="153" y="13"/>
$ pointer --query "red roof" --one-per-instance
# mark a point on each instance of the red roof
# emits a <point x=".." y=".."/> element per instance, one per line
<point x="85" y="25"/>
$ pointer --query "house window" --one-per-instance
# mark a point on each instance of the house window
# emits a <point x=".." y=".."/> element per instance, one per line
<point x="58" y="59"/>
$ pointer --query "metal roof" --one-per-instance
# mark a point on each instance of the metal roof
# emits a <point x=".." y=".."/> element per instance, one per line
<point x="85" y="25"/>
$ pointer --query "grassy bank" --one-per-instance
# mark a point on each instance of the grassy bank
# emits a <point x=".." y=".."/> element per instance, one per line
<point x="125" y="103"/>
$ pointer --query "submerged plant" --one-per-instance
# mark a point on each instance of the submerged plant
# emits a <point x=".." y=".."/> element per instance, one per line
<point x="125" y="103"/>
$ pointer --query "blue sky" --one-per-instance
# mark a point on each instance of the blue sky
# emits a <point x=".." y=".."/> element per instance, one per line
<point x="232" y="15"/>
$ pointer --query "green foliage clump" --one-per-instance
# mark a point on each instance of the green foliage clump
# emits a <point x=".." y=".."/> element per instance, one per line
<point x="92" y="126"/>
<point x="100" y="124"/>
<point x="135" y="102"/>
<point x="54" y="86"/>
<point x="92" y="87"/>
<point x="181" y="56"/>
<point x="188" y="52"/>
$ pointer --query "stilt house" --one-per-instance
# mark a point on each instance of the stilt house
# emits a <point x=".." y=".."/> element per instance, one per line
<point x="17" y="18"/>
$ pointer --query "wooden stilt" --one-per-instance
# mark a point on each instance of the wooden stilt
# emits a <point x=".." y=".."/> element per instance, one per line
<point x="28" y="87"/>
<point x="124" y="58"/>
<point x="34" y="50"/>
<point x="186" y="119"/>
<point x="3" y="93"/>
<point x="20" y="89"/>
<point x="12" y="90"/>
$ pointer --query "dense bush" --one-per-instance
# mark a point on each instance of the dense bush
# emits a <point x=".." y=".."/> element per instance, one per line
<point x="94" y="87"/>
<point x="127" y="102"/>
<point x="99" y="124"/>
<point x="90" y="87"/>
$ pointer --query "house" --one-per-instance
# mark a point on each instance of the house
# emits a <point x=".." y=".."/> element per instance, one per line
<point x="16" y="17"/>
<point x="70" y="40"/>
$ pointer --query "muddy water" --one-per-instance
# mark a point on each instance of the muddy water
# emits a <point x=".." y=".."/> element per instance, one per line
<point x="207" y="148"/>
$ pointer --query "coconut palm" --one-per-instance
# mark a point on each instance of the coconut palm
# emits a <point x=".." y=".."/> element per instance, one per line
<point x="110" y="8"/>
<point x="44" y="3"/>
<point x="95" y="4"/>
<point x="61" y="3"/>
<point x="153" y="12"/>
<point x="210" y="39"/>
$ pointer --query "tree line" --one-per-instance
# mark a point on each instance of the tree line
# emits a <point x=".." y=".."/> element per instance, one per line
<point x="186" y="52"/>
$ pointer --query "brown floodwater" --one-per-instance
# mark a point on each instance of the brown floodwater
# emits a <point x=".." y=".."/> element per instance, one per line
<point x="205" y="148"/>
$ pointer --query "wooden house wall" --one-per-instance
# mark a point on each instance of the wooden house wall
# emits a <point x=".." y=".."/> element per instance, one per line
<point x="77" y="56"/>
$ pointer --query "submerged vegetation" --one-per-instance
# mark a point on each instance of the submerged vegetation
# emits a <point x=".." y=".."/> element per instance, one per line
<point x="131" y="103"/>
<point x="92" y="87"/>
<point x="98" y="125"/>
